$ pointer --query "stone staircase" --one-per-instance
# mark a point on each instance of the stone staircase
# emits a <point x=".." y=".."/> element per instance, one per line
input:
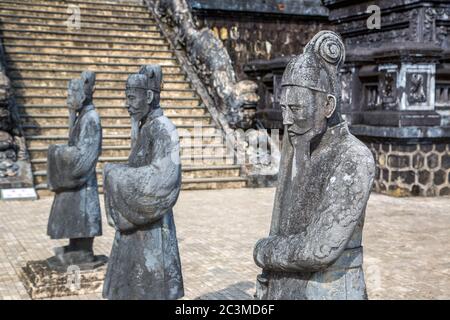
<point x="115" y="39"/>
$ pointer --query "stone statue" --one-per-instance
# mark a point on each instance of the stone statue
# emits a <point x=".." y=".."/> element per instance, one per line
<point x="12" y="140"/>
<point x="75" y="212"/>
<point x="139" y="197"/>
<point x="326" y="174"/>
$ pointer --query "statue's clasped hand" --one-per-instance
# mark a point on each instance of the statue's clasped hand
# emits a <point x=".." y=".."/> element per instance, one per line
<point x="259" y="252"/>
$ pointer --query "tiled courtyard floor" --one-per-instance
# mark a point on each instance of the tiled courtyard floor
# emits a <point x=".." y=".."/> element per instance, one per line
<point x="407" y="244"/>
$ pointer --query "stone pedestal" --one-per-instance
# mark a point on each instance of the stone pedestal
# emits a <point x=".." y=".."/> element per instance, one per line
<point x="42" y="282"/>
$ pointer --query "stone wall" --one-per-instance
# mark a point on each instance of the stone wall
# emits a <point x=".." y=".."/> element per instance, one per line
<point x="250" y="35"/>
<point x="412" y="169"/>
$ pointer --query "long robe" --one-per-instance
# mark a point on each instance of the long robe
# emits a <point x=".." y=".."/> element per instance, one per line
<point x="139" y="196"/>
<point x="71" y="174"/>
<point x="314" y="249"/>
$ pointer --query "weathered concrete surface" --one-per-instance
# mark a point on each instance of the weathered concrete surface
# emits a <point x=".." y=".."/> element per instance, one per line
<point x="406" y="243"/>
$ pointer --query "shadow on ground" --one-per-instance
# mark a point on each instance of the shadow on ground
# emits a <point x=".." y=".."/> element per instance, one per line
<point x="238" y="291"/>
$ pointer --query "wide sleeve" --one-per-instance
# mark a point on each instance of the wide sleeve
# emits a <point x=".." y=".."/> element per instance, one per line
<point x="325" y="239"/>
<point x="138" y="196"/>
<point x="69" y="167"/>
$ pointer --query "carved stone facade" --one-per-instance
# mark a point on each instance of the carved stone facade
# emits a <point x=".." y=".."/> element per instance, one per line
<point x="261" y="29"/>
<point x="235" y="99"/>
<point x="397" y="89"/>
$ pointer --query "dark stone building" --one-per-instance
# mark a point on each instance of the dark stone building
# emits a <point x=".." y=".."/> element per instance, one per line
<point x="396" y="90"/>
<point x="261" y="29"/>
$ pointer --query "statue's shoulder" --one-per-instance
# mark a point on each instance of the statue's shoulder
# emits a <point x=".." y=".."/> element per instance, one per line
<point x="92" y="117"/>
<point x="358" y="153"/>
<point x="162" y="123"/>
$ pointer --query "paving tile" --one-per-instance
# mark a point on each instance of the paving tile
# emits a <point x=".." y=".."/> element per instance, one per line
<point x="406" y="243"/>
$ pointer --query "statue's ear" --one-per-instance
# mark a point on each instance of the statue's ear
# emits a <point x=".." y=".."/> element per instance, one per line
<point x="150" y="96"/>
<point x="330" y="105"/>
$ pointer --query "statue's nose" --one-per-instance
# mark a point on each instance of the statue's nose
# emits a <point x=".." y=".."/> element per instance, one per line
<point x="288" y="119"/>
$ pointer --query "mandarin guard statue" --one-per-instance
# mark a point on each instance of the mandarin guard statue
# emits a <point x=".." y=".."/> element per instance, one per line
<point x="139" y="197"/>
<point x="75" y="212"/>
<point x="326" y="174"/>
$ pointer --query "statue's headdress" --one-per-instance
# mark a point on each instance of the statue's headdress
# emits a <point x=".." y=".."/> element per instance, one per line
<point x="88" y="78"/>
<point x="154" y="74"/>
<point x="318" y="67"/>
<point x="137" y="81"/>
<point x="76" y="85"/>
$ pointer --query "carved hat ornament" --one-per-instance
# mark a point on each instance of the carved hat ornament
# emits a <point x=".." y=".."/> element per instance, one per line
<point x="154" y="75"/>
<point x="318" y="67"/>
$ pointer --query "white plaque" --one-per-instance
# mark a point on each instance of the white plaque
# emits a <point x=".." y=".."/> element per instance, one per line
<point x="19" y="194"/>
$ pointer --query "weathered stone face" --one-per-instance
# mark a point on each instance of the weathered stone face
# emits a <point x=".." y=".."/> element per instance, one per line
<point x="136" y="95"/>
<point x="303" y="111"/>
<point x="75" y="95"/>
<point x="137" y="103"/>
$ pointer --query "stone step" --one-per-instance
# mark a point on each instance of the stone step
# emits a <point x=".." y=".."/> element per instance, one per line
<point x="99" y="93"/>
<point x="112" y="110"/>
<point x="108" y="119"/>
<point x="189" y="156"/>
<point x="187" y="184"/>
<point x="91" y="44"/>
<point x="97" y="67"/>
<point x="124" y="150"/>
<point x="123" y="140"/>
<point x="92" y="59"/>
<point x="100" y="85"/>
<point x="77" y="34"/>
<point x="100" y="24"/>
<point x="103" y="100"/>
<point x="214" y="183"/>
<point x="118" y="6"/>
<point x="115" y="40"/>
<point x="16" y="73"/>
<point x="111" y="93"/>
<point x="41" y="164"/>
<point x="83" y="51"/>
<point x="63" y="5"/>
<point x="188" y="172"/>
<point x="62" y="28"/>
<point x="80" y="36"/>
<point x="85" y="13"/>
<point x="119" y="129"/>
